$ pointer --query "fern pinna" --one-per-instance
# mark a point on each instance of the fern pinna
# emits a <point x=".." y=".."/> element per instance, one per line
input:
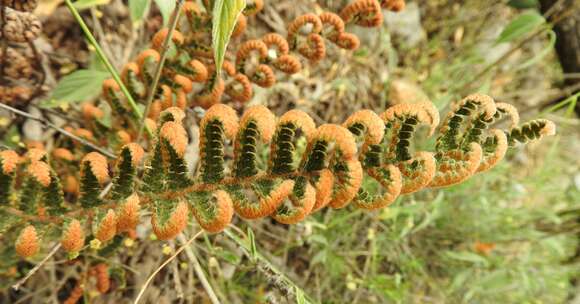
<point x="292" y="182"/>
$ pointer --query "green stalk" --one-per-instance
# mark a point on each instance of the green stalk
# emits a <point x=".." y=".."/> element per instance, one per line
<point x="253" y="254"/>
<point x="106" y="61"/>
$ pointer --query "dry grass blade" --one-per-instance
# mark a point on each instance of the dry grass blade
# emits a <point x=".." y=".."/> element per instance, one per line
<point x="171" y="258"/>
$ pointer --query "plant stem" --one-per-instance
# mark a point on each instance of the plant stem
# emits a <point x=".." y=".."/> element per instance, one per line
<point x="262" y="260"/>
<point x="199" y="271"/>
<point x="171" y="258"/>
<point x="60" y="130"/>
<point x="153" y="89"/>
<point x="105" y="60"/>
<point x="36" y="268"/>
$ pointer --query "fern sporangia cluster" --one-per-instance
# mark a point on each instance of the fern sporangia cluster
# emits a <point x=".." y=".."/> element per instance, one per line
<point x="255" y="166"/>
<point x="17" y="65"/>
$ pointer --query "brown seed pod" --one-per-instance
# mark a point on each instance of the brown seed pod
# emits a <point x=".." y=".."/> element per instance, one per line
<point x="73" y="237"/>
<point x="21" y="5"/>
<point x="20" y="27"/>
<point x="27" y="244"/>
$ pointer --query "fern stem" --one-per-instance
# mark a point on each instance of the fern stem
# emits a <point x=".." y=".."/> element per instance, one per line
<point x="199" y="271"/>
<point x="36" y="268"/>
<point x="59" y="129"/>
<point x="105" y="60"/>
<point x="262" y="260"/>
<point x="159" y="68"/>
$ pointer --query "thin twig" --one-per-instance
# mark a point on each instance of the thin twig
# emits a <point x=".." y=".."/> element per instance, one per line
<point x="4" y="42"/>
<point x="199" y="271"/>
<point x="59" y="129"/>
<point x="159" y="68"/>
<point x="36" y="268"/>
<point x="106" y="61"/>
<point x="177" y="277"/>
<point x="184" y="246"/>
<point x="38" y="89"/>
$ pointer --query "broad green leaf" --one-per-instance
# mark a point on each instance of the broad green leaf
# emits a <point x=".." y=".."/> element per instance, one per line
<point x="78" y="86"/>
<point x="225" y="14"/>
<point x="521" y="26"/>
<point x="85" y="4"/>
<point x="138" y="9"/>
<point x="166" y="7"/>
<point x="523" y="3"/>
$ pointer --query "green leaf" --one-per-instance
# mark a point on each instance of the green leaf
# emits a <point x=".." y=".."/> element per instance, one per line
<point x="300" y="298"/>
<point x="78" y="86"/>
<point x="467" y="257"/>
<point x="166" y="7"/>
<point x="85" y="4"/>
<point x="225" y="14"/>
<point x="252" y="242"/>
<point x="540" y="55"/>
<point x="521" y="26"/>
<point x="522" y="4"/>
<point x="138" y="9"/>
